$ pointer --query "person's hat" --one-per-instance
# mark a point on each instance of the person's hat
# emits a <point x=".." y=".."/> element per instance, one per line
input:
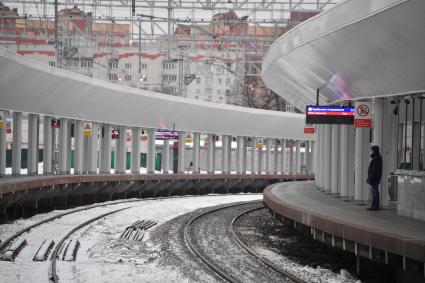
<point x="375" y="148"/>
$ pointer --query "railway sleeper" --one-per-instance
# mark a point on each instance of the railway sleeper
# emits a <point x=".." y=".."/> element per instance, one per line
<point x="12" y="252"/>
<point x="136" y="230"/>
<point x="44" y="250"/>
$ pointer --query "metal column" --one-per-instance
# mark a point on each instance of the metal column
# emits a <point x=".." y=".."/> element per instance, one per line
<point x="17" y="140"/>
<point x="3" y="144"/>
<point x="63" y="146"/>
<point x="383" y="127"/>
<point x="317" y="150"/>
<point x="105" y="150"/>
<point x="327" y="159"/>
<point x="307" y="157"/>
<point x="260" y="160"/>
<point x="297" y="169"/>
<point x="47" y="145"/>
<point x="150" y="162"/>
<point x="284" y="156"/>
<point x="196" y="153"/>
<point x="322" y="156"/>
<point x="181" y="153"/>
<point x="335" y="159"/>
<point x="229" y="154"/>
<point x="135" y="150"/>
<point x="276" y="156"/>
<point x="32" y="144"/>
<point x="121" y="151"/>
<point x="344" y="161"/>
<point x="210" y="154"/>
<point x="351" y="156"/>
<point x="225" y="154"/>
<point x="69" y="147"/>
<point x="166" y="157"/>
<point x="268" y="155"/>
<point x="92" y="155"/>
<point x="214" y="150"/>
<point x="361" y="189"/>
<point x="244" y="154"/>
<point x="239" y="155"/>
<point x="253" y="148"/>
<point x="79" y="147"/>
<point x="291" y="158"/>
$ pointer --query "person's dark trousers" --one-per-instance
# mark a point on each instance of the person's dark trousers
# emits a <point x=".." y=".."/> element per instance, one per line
<point x="375" y="196"/>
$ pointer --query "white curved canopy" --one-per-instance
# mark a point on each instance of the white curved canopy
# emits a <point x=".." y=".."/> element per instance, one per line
<point x="32" y="87"/>
<point x="358" y="49"/>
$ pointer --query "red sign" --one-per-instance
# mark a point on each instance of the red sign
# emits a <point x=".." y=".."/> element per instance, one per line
<point x="363" y="117"/>
<point x="55" y="123"/>
<point x="362" y="123"/>
<point x="308" y="130"/>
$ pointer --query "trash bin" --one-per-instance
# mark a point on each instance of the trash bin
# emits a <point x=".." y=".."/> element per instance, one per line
<point x="393" y="189"/>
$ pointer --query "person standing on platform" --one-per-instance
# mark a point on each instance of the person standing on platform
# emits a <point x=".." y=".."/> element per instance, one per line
<point x="374" y="175"/>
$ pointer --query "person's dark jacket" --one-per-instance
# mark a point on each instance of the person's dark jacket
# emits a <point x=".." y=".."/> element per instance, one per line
<point x="374" y="173"/>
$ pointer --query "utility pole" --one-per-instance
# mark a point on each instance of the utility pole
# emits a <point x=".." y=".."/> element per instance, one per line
<point x="56" y="34"/>
<point x="140" y="47"/>
<point x="169" y="29"/>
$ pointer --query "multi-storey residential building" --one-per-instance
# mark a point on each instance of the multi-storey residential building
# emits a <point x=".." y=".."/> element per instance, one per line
<point x="213" y="62"/>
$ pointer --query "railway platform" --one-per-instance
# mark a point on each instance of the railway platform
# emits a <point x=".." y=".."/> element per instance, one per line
<point x="382" y="236"/>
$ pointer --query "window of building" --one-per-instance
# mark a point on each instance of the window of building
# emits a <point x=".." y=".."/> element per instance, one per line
<point x="127" y="77"/>
<point x="86" y="63"/>
<point x="198" y="91"/>
<point x="218" y="92"/>
<point x="169" y="78"/>
<point x="143" y="66"/>
<point x="52" y="63"/>
<point x="113" y="64"/>
<point x="220" y="81"/>
<point x="113" y="77"/>
<point x="227" y="92"/>
<point x="219" y="70"/>
<point x="227" y="81"/>
<point x="198" y="80"/>
<point x="208" y="90"/>
<point x="127" y="65"/>
<point x="168" y="65"/>
<point x="169" y="90"/>
<point x="76" y="62"/>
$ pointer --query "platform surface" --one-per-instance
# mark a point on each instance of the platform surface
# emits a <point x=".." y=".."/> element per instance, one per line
<point x="382" y="229"/>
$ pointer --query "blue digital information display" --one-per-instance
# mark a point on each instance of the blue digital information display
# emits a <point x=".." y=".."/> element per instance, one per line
<point x="166" y="135"/>
<point x="329" y="115"/>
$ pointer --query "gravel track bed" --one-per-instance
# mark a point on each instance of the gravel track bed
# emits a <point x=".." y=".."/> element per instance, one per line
<point x="290" y="250"/>
<point x="211" y="236"/>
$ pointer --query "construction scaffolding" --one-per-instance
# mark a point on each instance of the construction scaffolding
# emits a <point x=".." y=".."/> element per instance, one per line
<point x="230" y="35"/>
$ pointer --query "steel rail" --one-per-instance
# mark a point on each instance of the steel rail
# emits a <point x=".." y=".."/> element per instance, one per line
<point x="193" y="249"/>
<point x="260" y="258"/>
<point x="53" y="273"/>
<point x="6" y="242"/>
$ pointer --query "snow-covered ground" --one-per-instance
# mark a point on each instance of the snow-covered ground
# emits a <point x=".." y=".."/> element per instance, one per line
<point x="120" y="262"/>
<point x="103" y="257"/>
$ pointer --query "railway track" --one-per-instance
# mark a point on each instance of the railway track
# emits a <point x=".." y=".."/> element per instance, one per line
<point x="44" y="247"/>
<point x="253" y="253"/>
<point x="16" y="235"/>
<point x="55" y="255"/>
<point x="210" y="236"/>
